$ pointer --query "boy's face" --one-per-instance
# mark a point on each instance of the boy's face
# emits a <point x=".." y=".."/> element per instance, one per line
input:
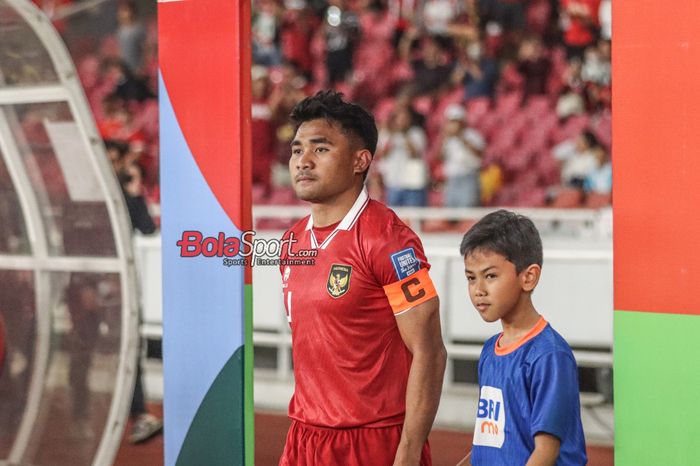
<point x="494" y="286"/>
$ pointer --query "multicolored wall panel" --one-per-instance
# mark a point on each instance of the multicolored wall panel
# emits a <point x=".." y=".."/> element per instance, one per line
<point x="204" y="91"/>
<point x="656" y="159"/>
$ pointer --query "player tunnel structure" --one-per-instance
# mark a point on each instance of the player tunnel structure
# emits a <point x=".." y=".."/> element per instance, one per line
<point x="67" y="287"/>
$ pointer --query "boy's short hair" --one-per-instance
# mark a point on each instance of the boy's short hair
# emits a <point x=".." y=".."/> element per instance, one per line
<point x="511" y="235"/>
<point x="354" y="120"/>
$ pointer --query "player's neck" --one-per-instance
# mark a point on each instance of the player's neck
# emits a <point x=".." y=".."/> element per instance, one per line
<point x="519" y="322"/>
<point x="333" y="210"/>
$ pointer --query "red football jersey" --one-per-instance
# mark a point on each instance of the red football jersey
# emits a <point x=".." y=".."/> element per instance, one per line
<point x="350" y="363"/>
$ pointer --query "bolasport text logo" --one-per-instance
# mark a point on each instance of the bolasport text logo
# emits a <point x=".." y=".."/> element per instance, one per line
<point x="245" y="250"/>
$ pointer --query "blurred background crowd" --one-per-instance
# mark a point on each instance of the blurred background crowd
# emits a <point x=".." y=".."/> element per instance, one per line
<point x="479" y="102"/>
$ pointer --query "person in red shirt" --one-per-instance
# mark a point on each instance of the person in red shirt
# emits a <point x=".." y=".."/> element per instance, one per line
<point x="262" y="128"/>
<point x="580" y="24"/>
<point x="366" y="341"/>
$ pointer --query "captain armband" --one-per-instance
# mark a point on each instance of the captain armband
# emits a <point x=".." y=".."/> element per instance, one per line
<point x="410" y="292"/>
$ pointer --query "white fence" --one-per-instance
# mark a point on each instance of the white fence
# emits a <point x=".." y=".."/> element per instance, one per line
<point x="575" y="296"/>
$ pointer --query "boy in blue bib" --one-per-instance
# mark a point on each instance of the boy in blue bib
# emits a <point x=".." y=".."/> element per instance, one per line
<point x="529" y="411"/>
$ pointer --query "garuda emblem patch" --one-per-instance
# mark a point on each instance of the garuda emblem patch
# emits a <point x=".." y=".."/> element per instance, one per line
<point x="338" y="280"/>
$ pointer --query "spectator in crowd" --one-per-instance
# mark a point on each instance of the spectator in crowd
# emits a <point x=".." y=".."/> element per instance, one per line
<point x="128" y="86"/>
<point x="475" y="51"/>
<point x="298" y="25"/>
<point x="431" y="69"/>
<point x="131" y="35"/>
<point x="509" y="14"/>
<point x="578" y="159"/>
<point x="130" y="176"/>
<point x="438" y="15"/>
<point x="605" y="18"/>
<point x="600" y="179"/>
<point x="579" y="19"/>
<point x="289" y="86"/>
<point x="116" y="151"/>
<point x="534" y="66"/>
<point x="476" y="71"/>
<point x="400" y="152"/>
<point x="265" y="30"/>
<point x="118" y="123"/>
<point x="596" y="66"/>
<point x="461" y="150"/>
<point x="341" y="33"/>
<point x="404" y="100"/>
<point x="374" y="73"/>
<point x="262" y="126"/>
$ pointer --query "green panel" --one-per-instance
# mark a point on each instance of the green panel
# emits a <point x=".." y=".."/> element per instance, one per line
<point x="249" y="413"/>
<point x="215" y="437"/>
<point x="657" y="389"/>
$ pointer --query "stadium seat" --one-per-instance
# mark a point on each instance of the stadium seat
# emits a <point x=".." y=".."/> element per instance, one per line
<point x="567" y="198"/>
<point x="598" y="200"/>
<point x="476" y="109"/>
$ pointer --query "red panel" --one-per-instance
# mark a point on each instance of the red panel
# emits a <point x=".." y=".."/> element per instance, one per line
<point x="206" y="69"/>
<point x="656" y="155"/>
<point x="246" y="133"/>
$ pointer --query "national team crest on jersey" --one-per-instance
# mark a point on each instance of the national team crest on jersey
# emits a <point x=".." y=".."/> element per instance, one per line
<point x="490" y="425"/>
<point x="338" y="280"/>
<point x="405" y="263"/>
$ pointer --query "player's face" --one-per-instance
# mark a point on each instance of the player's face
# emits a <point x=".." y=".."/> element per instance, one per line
<point x="495" y="289"/>
<point x="324" y="163"/>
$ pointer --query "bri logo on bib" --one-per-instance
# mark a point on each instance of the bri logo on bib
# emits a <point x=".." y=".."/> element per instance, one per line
<point x="490" y="418"/>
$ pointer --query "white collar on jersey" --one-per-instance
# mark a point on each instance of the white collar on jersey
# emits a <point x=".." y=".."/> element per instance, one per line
<point x="345" y="224"/>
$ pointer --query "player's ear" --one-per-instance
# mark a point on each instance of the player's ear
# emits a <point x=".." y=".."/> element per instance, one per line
<point x="363" y="158"/>
<point x="530" y="277"/>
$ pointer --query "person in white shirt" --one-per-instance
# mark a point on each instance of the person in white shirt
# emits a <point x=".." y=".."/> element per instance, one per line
<point x="577" y="158"/>
<point x="461" y="150"/>
<point x="401" y="155"/>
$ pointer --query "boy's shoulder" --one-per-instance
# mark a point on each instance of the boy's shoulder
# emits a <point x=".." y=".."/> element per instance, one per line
<point x="549" y="341"/>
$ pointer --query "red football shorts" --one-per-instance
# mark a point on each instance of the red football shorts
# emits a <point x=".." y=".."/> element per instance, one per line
<point x="363" y="446"/>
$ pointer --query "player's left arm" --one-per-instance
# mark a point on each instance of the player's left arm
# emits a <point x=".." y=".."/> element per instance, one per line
<point x="420" y="331"/>
<point x="546" y="450"/>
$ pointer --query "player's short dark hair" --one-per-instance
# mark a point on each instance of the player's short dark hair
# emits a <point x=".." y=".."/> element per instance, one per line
<point x="511" y="235"/>
<point x="354" y="120"/>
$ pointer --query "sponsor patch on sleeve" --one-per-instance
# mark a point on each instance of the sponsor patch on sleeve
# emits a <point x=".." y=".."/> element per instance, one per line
<point x="405" y="263"/>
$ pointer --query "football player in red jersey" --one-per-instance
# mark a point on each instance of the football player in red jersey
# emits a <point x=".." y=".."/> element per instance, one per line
<point x="367" y="348"/>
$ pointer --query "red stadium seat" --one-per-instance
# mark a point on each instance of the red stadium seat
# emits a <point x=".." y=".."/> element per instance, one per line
<point x="476" y="109"/>
<point x="507" y="104"/>
<point x="568" y="198"/>
<point x="598" y="200"/>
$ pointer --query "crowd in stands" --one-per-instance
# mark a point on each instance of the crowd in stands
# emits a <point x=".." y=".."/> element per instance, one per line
<point x="478" y="102"/>
<point x="120" y="82"/>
